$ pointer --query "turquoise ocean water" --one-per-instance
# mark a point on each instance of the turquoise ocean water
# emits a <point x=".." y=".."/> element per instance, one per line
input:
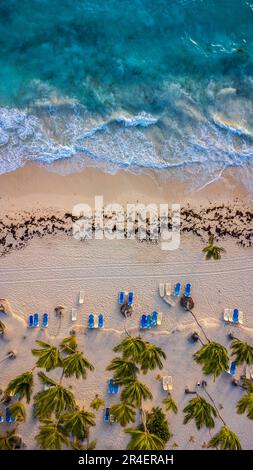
<point x="134" y="84"/>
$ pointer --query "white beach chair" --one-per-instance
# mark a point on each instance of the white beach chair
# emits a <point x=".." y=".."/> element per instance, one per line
<point x="249" y="372"/>
<point x="167" y="383"/>
<point x="81" y="297"/>
<point x="95" y="321"/>
<point x="169" y="301"/>
<point x="74" y="314"/>
<point x="240" y="317"/>
<point x="159" y="318"/>
<point x="161" y="289"/>
<point x="227" y="314"/>
<point x="168" y="289"/>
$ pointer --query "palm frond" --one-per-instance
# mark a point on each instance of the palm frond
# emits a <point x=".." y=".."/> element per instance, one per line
<point x="225" y="439"/>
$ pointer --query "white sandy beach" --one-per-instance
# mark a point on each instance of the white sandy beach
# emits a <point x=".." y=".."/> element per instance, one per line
<point x="50" y="271"/>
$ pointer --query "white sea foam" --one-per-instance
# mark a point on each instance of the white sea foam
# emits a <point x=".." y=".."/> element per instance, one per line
<point x="196" y="142"/>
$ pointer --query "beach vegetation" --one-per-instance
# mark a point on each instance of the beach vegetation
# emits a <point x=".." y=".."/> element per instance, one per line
<point x="131" y="348"/>
<point x="242" y="351"/>
<point x="213" y="251"/>
<point x="52" y="435"/>
<point x="10" y="440"/>
<point x="21" y="386"/>
<point x="213" y="357"/>
<point x="157" y="423"/>
<point x="123" y="368"/>
<point x="151" y="358"/>
<point x="201" y="412"/>
<point x="123" y="413"/>
<point x="76" y="364"/>
<point x="97" y="403"/>
<point x="17" y="410"/>
<point x="170" y="404"/>
<point x="135" y="392"/>
<point x="56" y="399"/>
<point x="2" y="328"/>
<point x="245" y="404"/>
<point x="48" y="356"/>
<point x="144" y="440"/>
<point x="77" y="422"/>
<point x="225" y="439"/>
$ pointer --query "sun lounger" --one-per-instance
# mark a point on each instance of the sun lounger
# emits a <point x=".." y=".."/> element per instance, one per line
<point x="81" y="297"/>
<point x="232" y="368"/>
<point x="107" y="415"/>
<point x="149" y="321"/>
<point x="110" y="386"/>
<point x="91" y="321"/>
<point x="240" y="317"/>
<point x="168" y="289"/>
<point x="235" y="318"/>
<point x="74" y="314"/>
<point x="100" y="321"/>
<point x="143" y="322"/>
<point x="121" y="297"/>
<point x="130" y="298"/>
<point x="167" y="383"/>
<point x="187" y="290"/>
<point x="249" y="372"/>
<point x="45" y="320"/>
<point x="30" y="321"/>
<point x="177" y="289"/>
<point x="8" y="417"/>
<point x="115" y="388"/>
<point x="169" y="301"/>
<point x="36" y="320"/>
<point x="95" y="321"/>
<point x="1" y="419"/>
<point x="227" y="314"/>
<point x="162" y="289"/>
<point x="154" y="318"/>
<point x="159" y="318"/>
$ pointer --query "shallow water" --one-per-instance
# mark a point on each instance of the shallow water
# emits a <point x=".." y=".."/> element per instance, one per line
<point x="127" y="84"/>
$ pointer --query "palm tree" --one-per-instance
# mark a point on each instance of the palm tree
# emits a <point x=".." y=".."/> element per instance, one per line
<point x="17" y="410"/>
<point x="213" y="251"/>
<point x="21" y="385"/>
<point x="10" y="440"/>
<point x="214" y="358"/>
<point x="151" y="358"/>
<point x="76" y="364"/>
<point x="131" y="348"/>
<point x="77" y="422"/>
<point x="225" y="439"/>
<point x="202" y="412"/>
<point x="143" y="440"/>
<point x="242" y="351"/>
<point x="97" y="403"/>
<point x="49" y="356"/>
<point x="77" y="445"/>
<point x="69" y="345"/>
<point x="245" y="405"/>
<point x="123" y="368"/>
<point x="52" y="435"/>
<point x="170" y="404"/>
<point x="2" y="328"/>
<point x="123" y="413"/>
<point x="56" y="399"/>
<point x="136" y="391"/>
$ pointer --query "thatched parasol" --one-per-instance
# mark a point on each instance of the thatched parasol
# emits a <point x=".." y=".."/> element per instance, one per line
<point x="59" y="310"/>
<point x="187" y="302"/>
<point x="126" y="310"/>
